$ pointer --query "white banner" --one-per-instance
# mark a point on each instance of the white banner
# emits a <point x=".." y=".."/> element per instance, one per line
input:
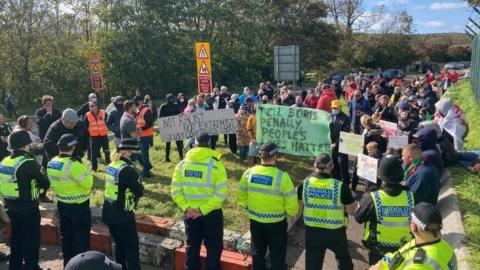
<point x="185" y="126"/>
<point x="397" y="142"/>
<point x="350" y="144"/>
<point x="367" y="168"/>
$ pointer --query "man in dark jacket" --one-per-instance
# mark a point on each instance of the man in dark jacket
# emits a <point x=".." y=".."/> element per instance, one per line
<point x="421" y="177"/>
<point x="170" y="109"/>
<point x="427" y="141"/>
<point x="46" y="116"/>
<point x="429" y="98"/>
<point x="69" y="123"/>
<point x="358" y="107"/>
<point x="340" y="122"/>
<point x="113" y="119"/>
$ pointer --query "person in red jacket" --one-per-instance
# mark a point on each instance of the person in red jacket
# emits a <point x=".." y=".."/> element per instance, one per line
<point x="326" y="98"/>
<point x="454" y="76"/>
<point x="311" y="99"/>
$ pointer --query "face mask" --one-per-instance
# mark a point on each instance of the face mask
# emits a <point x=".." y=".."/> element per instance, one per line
<point x="182" y="100"/>
<point x="335" y="111"/>
<point x="264" y="101"/>
<point x="404" y="165"/>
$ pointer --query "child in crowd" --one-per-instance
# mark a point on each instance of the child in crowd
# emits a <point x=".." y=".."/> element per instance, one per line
<point x="243" y="140"/>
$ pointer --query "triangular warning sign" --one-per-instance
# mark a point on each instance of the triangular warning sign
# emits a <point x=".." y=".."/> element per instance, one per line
<point x="94" y="59"/>
<point x="95" y="71"/>
<point x="204" y="69"/>
<point x="203" y="53"/>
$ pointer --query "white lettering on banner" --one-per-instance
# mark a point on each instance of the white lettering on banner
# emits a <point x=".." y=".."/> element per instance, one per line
<point x="185" y="126"/>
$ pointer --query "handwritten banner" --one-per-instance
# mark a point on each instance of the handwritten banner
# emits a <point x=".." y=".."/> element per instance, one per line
<point x="296" y="131"/>
<point x="184" y="126"/>
<point x="389" y="128"/>
<point x="350" y="144"/>
<point x="367" y="168"/>
<point x="397" y="142"/>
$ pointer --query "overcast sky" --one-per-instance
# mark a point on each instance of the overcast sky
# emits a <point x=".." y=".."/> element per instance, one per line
<point x="432" y="16"/>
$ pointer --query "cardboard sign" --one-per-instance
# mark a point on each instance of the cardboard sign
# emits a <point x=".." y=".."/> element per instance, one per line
<point x="204" y="67"/>
<point x="367" y="168"/>
<point x="389" y="128"/>
<point x="397" y="142"/>
<point x="296" y="131"/>
<point x="350" y="144"/>
<point x="184" y="126"/>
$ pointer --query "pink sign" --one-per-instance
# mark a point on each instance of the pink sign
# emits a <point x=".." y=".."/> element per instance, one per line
<point x="389" y="128"/>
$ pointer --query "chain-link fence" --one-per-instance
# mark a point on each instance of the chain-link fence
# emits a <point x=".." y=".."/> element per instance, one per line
<point x="475" y="67"/>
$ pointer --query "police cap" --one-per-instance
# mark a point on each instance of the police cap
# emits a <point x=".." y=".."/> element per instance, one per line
<point x="67" y="140"/>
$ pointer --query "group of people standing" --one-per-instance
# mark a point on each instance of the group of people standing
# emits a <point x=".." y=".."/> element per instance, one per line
<point x="402" y="224"/>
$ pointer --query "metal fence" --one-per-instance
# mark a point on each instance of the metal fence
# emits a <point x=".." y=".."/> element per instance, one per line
<point x="475" y="67"/>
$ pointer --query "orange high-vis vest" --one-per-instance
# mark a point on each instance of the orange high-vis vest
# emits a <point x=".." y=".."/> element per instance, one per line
<point x="97" y="126"/>
<point x="141" y="122"/>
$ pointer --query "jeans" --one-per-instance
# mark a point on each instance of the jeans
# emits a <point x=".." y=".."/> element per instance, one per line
<point x="145" y="143"/>
<point x="466" y="158"/>
<point x="25" y="240"/>
<point x="243" y="151"/>
<point x="209" y="229"/>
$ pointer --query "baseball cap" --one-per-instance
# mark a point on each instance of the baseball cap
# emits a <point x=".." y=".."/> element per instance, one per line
<point x="68" y="140"/>
<point x="92" y="260"/>
<point x="425" y="214"/>
<point x="336" y="103"/>
<point x="403" y="105"/>
<point x="92" y="95"/>
<point x="70" y="115"/>
<point x="268" y="149"/>
<point x="323" y="161"/>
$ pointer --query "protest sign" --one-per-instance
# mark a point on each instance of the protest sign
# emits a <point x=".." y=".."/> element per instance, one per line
<point x="350" y="144"/>
<point x="397" y="142"/>
<point x="296" y="131"/>
<point x="389" y="128"/>
<point x="184" y="126"/>
<point x="367" y="168"/>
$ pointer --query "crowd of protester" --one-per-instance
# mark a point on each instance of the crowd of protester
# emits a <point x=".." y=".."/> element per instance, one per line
<point x="435" y="126"/>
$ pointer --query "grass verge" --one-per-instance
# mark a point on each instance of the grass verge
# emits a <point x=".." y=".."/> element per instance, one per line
<point x="466" y="184"/>
<point x="157" y="200"/>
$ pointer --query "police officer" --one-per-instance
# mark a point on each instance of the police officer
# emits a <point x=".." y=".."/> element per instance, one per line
<point x="21" y="184"/>
<point x="268" y="196"/>
<point x="427" y="251"/>
<point x="122" y="191"/>
<point x="72" y="183"/>
<point x="325" y="201"/>
<point x="199" y="185"/>
<point x="386" y="212"/>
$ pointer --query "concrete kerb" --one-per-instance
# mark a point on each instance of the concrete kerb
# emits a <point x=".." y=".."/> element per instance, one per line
<point x="453" y="231"/>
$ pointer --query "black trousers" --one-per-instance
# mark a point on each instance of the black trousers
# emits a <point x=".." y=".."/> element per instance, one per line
<point x="95" y="144"/>
<point x="126" y="244"/>
<point x="213" y="141"/>
<point x="25" y="240"/>
<point x="272" y="236"/>
<point x="179" y="149"/>
<point x="75" y="231"/>
<point x="209" y="229"/>
<point x="232" y="142"/>
<point x="340" y="167"/>
<point x="318" y="240"/>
